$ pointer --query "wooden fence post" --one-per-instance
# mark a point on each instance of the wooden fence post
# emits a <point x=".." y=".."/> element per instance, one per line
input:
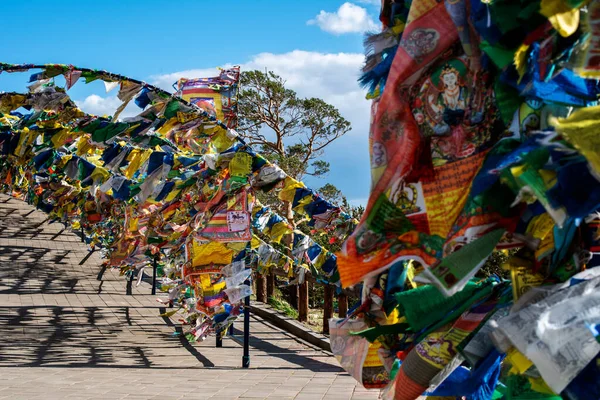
<point x="270" y="285"/>
<point x="342" y="305"/>
<point x="260" y="288"/>
<point x="303" y="302"/>
<point x="327" y="307"/>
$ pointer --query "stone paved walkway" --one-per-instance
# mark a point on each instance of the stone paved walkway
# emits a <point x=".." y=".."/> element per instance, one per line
<point x="64" y="334"/>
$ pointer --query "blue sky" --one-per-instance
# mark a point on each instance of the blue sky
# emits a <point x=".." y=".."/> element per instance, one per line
<point x="315" y="45"/>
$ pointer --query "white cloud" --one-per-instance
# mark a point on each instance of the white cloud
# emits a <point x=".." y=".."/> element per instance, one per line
<point x="349" y="18"/>
<point x="96" y="105"/>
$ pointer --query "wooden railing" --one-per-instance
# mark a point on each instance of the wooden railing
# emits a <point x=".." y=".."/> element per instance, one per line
<point x="265" y="289"/>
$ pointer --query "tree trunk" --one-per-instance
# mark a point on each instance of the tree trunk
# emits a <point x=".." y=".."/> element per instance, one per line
<point x="342" y="305"/>
<point x="260" y="288"/>
<point x="270" y="285"/>
<point x="303" y="302"/>
<point x="327" y="307"/>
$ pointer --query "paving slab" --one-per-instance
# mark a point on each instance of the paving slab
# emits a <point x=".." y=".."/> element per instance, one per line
<point x="67" y="335"/>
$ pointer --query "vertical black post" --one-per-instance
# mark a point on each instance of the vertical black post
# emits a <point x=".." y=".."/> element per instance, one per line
<point x="129" y="291"/>
<point x="82" y="234"/>
<point x="154" y="266"/>
<point x="219" y="340"/>
<point x="101" y="273"/>
<point x="246" y="356"/>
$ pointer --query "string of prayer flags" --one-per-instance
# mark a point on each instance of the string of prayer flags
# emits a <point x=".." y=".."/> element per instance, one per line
<point x="172" y="186"/>
<point x="477" y="252"/>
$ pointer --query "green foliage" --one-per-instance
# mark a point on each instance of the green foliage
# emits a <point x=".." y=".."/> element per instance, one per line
<point x="355" y="211"/>
<point x="283" y="306"/>
<point x="335" y="196"/>
<point x="332" y="194"/>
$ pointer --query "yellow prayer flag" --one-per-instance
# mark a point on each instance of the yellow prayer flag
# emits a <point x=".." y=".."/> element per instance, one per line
<point x="289" y="189"/>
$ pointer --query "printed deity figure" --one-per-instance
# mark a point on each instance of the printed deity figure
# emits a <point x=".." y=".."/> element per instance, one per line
<point x="449" y="105"/>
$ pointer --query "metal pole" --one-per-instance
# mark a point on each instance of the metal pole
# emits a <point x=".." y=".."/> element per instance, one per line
<point x="154" y="266"/>
<point x="246" y="357"/>
<point x="129" y="291"/>
<point x="219" y="340"/>
<point x="101" y="273"/>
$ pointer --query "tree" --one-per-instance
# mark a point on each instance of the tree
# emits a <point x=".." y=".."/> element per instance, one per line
<point x="335" y="196"/>
<point x="332" y="194"/>
<point x="292" y="132"/>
